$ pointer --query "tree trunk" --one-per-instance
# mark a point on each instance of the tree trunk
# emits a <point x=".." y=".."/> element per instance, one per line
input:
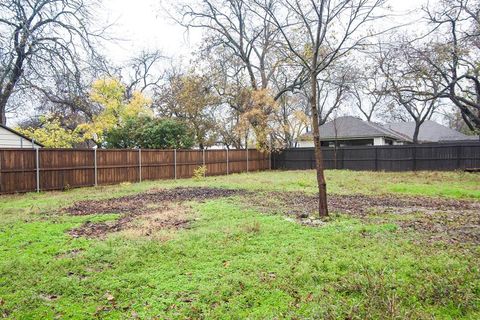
<point x="3" y="116"/>
<point x="322" y="186"/>
<point x="416" y="132"/>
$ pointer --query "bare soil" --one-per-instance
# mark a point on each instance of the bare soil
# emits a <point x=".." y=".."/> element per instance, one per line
<point x="157" y="209"/>
<point x="450" y="220"/>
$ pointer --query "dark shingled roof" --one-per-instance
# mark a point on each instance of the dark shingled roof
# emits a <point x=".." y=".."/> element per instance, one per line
<point x="430" y="131"/>
<point x="349" y="127"/>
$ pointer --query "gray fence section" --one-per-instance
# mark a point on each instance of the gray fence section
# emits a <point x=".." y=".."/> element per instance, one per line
<point x="459" y="156"/>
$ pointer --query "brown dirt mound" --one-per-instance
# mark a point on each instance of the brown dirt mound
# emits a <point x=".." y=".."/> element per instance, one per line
<point x="361" y="205"/>
<point x="439" y="219"/>
<point x="155" y="208"/>
<point x="138" y="203"/>
<point x="142" y="214"/>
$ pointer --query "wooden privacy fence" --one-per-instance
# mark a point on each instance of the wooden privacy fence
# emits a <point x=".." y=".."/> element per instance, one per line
<point x="24" y="170"/>
<point x="458" y="156"/>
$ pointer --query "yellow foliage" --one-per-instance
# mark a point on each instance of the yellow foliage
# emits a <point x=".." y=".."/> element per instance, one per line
<point x="199" y="173"/>
<point x="110" y="94"/>
<point x="192" y="95"/>
<point x="258" y="110"/>
<point x="51" y="134"/>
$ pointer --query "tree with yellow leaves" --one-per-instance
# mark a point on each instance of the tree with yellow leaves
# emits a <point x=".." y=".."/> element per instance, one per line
<point x="52" y="134"/>
<point x="109" y="94"/>
<point x="258" y="112"/>
<point x="189" y="98"/>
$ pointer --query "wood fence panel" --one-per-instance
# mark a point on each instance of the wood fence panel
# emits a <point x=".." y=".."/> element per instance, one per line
<point x="398" y="158"/>
<point x="468" y="157"/>
<point x="158" y="164"/>
<point x="66" y="168"/>
<point x="357" y="159"/>
<point x="216" y="162"/>
<point x="237" y="161"/>
<point x="258" y="160"/>
<point x="187" y="162"/>
<point x="117" y="166"/>
<point x="440" y="156"/>
<point x="17" y="170"/>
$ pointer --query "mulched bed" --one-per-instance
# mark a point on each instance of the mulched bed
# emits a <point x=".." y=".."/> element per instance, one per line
<point x="140" y="204"/>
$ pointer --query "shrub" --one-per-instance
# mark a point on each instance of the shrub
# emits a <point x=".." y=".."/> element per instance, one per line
<point x="148" y="133"/>
<point x="200" y="172"/>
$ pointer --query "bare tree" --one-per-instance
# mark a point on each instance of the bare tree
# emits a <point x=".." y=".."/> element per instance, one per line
<point x="454" y="52"/>
<point x="367" y="91"/>
<point x="333" y="87"/>
<point x="290" y="120"/>
<point x="241" y="33"/>
<point x="145" y="72"/>
<point x="410" y="82"/>
<point x="316" y="34"/>
<point x="235" y="26"/>
<point x="228" y="128"/>
<point x="38" y="36"/>
<point x="66" y="95"/>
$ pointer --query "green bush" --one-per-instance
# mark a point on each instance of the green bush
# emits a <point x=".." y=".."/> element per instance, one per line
<point x="150" y="133"/>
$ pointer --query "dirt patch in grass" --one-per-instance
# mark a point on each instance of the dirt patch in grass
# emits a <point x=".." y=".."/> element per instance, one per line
<point x="69" y="254"/>
<point x="438" y="219"/>
<point x="450" y="220"/>
<point x="144" y="213"/>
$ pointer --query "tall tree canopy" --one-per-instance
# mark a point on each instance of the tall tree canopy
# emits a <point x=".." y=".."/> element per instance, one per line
<point x="40" y="39"/>
<point x="109" y="94"/>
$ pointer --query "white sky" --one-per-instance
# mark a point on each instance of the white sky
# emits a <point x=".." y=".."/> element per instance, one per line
<point x="142" y="24"/>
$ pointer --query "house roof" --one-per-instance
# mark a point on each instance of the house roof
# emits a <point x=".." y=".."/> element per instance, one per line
<point x="20" y="134"/>
<point x="430" y="131"/>
<point x="349" y="127"/>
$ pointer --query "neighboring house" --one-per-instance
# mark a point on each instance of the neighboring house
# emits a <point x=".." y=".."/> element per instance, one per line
<point x="352" y="131"/>
<point x="430" y="131"/>
<point x="10" y="138"/>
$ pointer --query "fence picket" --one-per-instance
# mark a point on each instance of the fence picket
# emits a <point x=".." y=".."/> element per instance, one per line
<point x="440" y="156"/>
<point x="23" y="170"/>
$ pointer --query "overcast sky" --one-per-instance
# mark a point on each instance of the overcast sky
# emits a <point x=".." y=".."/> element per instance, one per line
<point x="142" y="24"/>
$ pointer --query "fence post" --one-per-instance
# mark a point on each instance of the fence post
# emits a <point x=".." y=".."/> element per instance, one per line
<point x="376" y="158"/>
<point x="140" y="164"/>
<point x="270" y="159"/>
<point x="247" y="159"/>
<point x="37" y="164"/>
<point x="175" y="162"/>
<point x="228" y="169"/>
<point x="414" y="157"/>
<point x="203" y="156"/>
<point x="95" y="173"/>
<point x="459" y="153"/>
<point x="1" y="153"/>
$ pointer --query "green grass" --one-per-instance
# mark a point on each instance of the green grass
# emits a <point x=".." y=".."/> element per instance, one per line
<point x="235" y="262"/>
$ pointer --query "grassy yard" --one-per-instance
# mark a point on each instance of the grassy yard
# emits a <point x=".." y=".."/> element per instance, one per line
<point x="243" y="255"/>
